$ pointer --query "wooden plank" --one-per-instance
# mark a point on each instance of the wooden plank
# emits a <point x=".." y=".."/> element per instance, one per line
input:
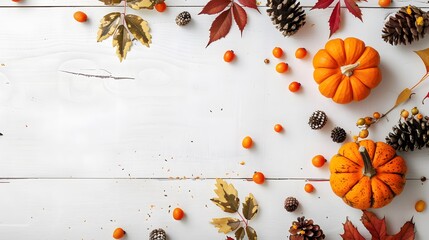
<point x="91" y="209"/>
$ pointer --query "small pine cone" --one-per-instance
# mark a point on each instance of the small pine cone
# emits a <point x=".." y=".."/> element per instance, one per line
<point x="338" y="135"/>
<point x="291" y="204"/>
<point x="183" y="18"/>
<point x="410" y="134"/>
<point x="317" y="120"/>
<point x="409" y="24"/>
<point x="158" y="234"/>
<point x="305" y="229"/>
<point x="287" y="15"/>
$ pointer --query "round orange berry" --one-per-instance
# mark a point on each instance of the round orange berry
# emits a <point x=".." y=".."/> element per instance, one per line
<point x="363" y="133"/>
<point x="294" y="86"/>
<point x="160" y="7"/>
<point x="309" y="187"/>
<point x="420" y="206"/>
<point x="318" y="161"/>
<point x="228" y="56"/>
<point x="419" y="116"/>
<point x="277" y="52"/>
<point x="118" y="233"/>
<point x="376" y="115"/>
<point x="300" y="53"/>
<point x="258" y="178"/>
<point x="384" y="3"/>
<point x="278" y="128"/>
<point x="282" y="67"/>
<point x="247" y="142"/>
<point x="80" y="16"/>
<point x="404" y="113"/>
<point x="178" y="214"/>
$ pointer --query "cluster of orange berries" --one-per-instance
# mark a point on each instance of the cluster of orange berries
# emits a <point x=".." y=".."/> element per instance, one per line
<point x="364" y="123"/>
<point x="283" y="67"/>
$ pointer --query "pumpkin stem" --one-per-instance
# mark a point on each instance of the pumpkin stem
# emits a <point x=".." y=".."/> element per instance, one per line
<point x="368" y="170"/>
<point x="348" y="69"/>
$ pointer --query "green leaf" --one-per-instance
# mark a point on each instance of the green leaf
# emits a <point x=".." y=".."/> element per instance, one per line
<point x="139" y="28"/>
<point x="227" y="198"/>
<point x="108" y="25"/>
<point x="251" y="233"/>
<point x="250" y="207"/>
<point x="226" y="225"/>
<point x="110" y="2"/>
<point x="139" y="4"/>
<point x="240" y="233"/>
<point x="122" y="42"/>
<point x="424" y="55"/>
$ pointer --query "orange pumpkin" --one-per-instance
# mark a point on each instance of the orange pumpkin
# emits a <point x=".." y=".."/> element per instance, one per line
<point x="346" y="70"/>
<point x="367" y="174"/>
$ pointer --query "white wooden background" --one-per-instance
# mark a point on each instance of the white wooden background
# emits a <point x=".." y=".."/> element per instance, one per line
<point x="81" y="156"/>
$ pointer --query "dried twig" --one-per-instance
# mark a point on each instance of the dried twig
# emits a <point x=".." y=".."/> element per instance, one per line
<point x="98" y="76"/>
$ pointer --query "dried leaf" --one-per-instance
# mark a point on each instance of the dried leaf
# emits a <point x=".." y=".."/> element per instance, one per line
<point x="227" y="196"/>
<point x="220" y="26"/>
<point x="403" y="97"/>
<point x="351" y="232"/>
<point x="353" y="8"/>
<point x="375" y="226"/>
<point x="240" y="233"/>
<point x="110" y="2"/>
<point x="139" y="4"/>
<point x="424" y="55"/>
<point x="108" y="25"/>
<point x="334" y="20"/>
<point x="251" y="233"/>
<point x="427" y="96"/>
<point x="250" y="207"/>
<point x="229" y="238"/>
<point x="240" y="16"/>
<point x="122" y="42"/>
<point x="249" y="4"/>
<point x="139" y="28"/>
<point x="406" y="233"/>
<point x="215" y="6"/>
<point x="226" y="225"/>
<point x="322" y="4"/>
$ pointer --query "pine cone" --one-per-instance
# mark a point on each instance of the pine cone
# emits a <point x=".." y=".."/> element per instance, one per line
<point x="338" y="135"/>
<point x="410" y="134"/>
<point x="287" y="15"/>
<point x="407" y="25"/>
<point x="183" y="18"/>
<point x="317" y="120"/>
<point x="291" y="204"/>
<point x="158" y="234"/>
<point x="305" y="229"/>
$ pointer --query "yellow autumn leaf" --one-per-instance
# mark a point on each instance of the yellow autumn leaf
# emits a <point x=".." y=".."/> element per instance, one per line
<point x="226" y="225"/>
<point x="139" y="28"/>
<point x="227" y="198"/>
<point x="110" y="2"/>
<point x="108" y="25"/>
<point x="139" y="4"/>
<point x="122" y="42"/>
<point x="240" y="233"/>
<point x="250" y="207"/>
<point x="251" y="233"/>
<point x="424" y="55"/>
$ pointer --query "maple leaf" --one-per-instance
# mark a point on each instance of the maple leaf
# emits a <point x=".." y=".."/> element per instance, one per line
<point x="351" y="232"/>
<point x="227" y="196"/>
<point x="375" y="226"/>
<point x="226" y="224"/>
<point x="334" y="19"/>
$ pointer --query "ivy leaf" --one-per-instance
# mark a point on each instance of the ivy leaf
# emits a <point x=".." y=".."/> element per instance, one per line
<point x="240" y="233"/>
<point x="108" y="25"/>
<point x="240" y="16"/>
<point x="122" y="42"/>
<point x="215" y="6"/>
<point x="220" y="26"/>
<point x="226" y="225"/>
<point x="353" y="8"/>
<point x="249" y="4"/>
<point x="375" y="226"/>
<point x="322" y="4"/>
<point x="139" y="28"/>
<point x="139" y="4"/>
<point x="251" y="233"/>
<point x="406" y="232"/>
<point x="250" y="207"/>
<point x="227" y="199"/>
<point x="110" y="2"/>
<point x="351" y="232"/>
<point x="334" y="20"/>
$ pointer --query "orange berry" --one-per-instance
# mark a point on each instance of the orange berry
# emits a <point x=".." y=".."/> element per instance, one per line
<point x="118" y="233"/>
<point x="178" y="214"/>
<point x="80" y="16"/>
<point x="376" y="115"/>
<point x="160" y="7"/>
<point x="247" y="142"/>
<point x="258" y="178"/>
<point x="294" y="86"/>
<point x="363" y="133"/>
<point x="384" y="3"/>
<point x="420" y="206"/>
<point x="318" y="161"/>
<point x="309" y="188"/>
<point x="419" y="116"/>
<point x="229" y="56"/>
<point x="368" y="120"/>
<point x="278" y="128"/>
<point x="404" y="113"/>
<point x="282" y="67"/>
<point x="277" y="52"/>
<point x="300" y="53"/>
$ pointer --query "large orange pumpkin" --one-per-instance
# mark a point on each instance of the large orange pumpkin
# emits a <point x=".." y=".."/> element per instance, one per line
<point x="346" y="70"/>
<point x="367" y="174"/>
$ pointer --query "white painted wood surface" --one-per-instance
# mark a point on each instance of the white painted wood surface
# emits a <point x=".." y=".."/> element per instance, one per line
<point x="81" y="156"/>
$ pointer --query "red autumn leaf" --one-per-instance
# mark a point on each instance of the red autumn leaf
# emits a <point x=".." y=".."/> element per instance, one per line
<point x="249" y="4"/>
<point x="351" y="232"/>
<point x="220" y="26"/>
<point x="322" y="4"/>
<point x="215" y="6"/>
<point x="427" y="96"/>
<point x="375" y="226"/>
<point x="353" y="8"/>
<point x="406" y="232"/>
<point x="334" y="20"/>
<point x="229" y="238"/>
<point x="240" y="16"/>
